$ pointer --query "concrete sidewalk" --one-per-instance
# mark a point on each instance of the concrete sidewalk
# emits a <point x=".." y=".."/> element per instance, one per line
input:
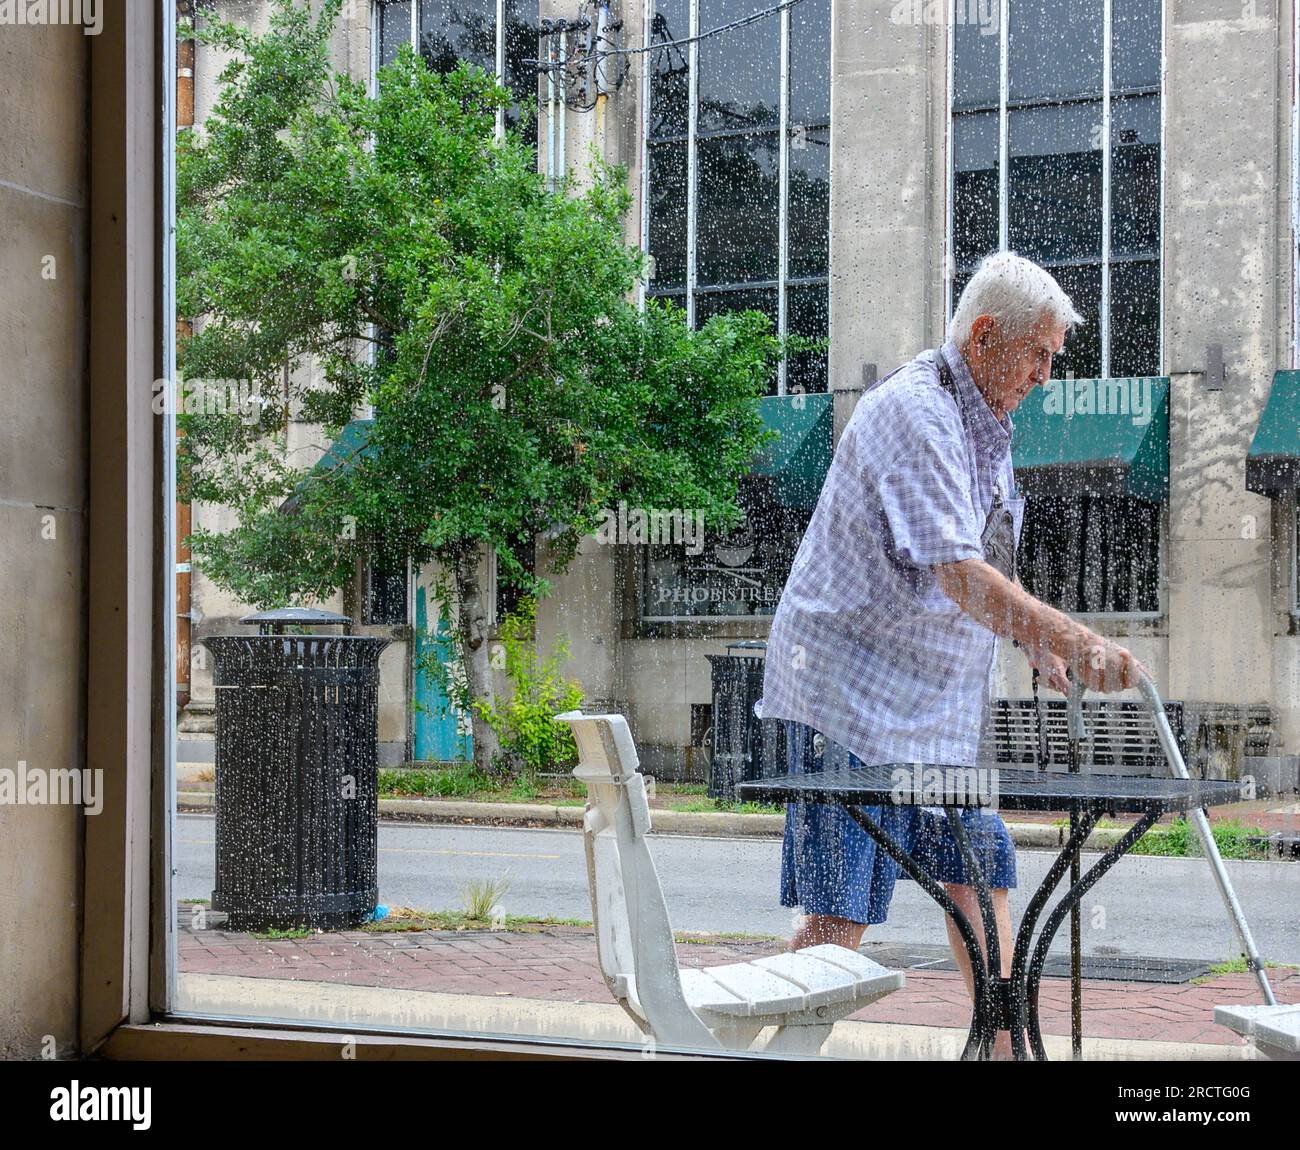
<point x="546" y="981"/>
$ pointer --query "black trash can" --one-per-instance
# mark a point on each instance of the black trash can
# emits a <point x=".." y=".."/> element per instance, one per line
<point x="297" y="795"/>
<point x="743" y="747"/>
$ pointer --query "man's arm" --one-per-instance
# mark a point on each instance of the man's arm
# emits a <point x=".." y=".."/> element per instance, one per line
<point x="1007" y="609"/>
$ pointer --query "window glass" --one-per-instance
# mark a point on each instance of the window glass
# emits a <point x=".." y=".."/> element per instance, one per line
<point x="810" y="62"/>
<point x="1135" y="45"/>
<point x="738" y="181"/>
<point x="1055" y="198"/>
<point x="975" y="188"/>
<point x="1092" y="553"/>
<point x="740" y="73"/>
<point x="1050" y="57"/>
<point x="394" y="29"/>
<point x="669" y="70"/>
<point x="809" y="202"/>
<point x="667" y="212"/>
<point x="976" y="64"/>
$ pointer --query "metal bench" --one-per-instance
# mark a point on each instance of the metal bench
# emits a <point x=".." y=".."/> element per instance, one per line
<point x="1123" y="735"/>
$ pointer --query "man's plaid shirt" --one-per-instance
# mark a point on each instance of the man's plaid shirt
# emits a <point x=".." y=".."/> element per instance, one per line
<point x="864" y="647"/>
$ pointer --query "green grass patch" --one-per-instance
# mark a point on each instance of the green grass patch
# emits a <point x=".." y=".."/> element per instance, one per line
<point x="713" y="806"/>
<point x="407" y="919"/>
<point x="273" y="934"/>
<point x="1179" y="840"/>
<point x="465" y="781"/>
<point x="1237" y="966"/>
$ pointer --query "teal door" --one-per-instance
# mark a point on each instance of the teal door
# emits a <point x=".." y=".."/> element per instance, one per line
<point x="437" y="728"/>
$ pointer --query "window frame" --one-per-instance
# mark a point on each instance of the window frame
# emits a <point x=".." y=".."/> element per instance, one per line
<point x="125" y="976"/>
<point x="783" y="283"/>
<point x="498" y="55"/>
<point x="1106" y="258"/>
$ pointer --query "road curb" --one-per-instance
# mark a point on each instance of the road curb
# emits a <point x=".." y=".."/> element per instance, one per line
<point x="720" y="824"/>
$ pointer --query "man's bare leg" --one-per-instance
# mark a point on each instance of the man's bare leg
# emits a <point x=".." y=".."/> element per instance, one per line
<point x="967" y="901"/>
<point x="819" y="929"/>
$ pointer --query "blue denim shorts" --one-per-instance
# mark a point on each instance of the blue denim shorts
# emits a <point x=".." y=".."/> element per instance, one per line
<point x="830" y="865"/>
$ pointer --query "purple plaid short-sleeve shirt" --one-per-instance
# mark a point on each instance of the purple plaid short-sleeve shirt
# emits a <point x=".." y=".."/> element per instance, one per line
<point x="864" y="646"/>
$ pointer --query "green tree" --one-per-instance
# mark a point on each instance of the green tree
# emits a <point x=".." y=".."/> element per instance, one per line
<point x="338" y="249"/>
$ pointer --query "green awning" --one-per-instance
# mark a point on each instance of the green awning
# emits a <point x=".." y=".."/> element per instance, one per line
<point x="352" y="443"/>
<point x="1273" y="462"/>
<point x="797" y="461"/>
<point x="1103" y="436"/>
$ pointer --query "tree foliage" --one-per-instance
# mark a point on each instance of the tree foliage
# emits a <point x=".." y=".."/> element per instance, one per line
<point x="339" y="249"/>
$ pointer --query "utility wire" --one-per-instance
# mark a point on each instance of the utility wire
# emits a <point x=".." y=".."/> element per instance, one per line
<point x="752" y="18"/>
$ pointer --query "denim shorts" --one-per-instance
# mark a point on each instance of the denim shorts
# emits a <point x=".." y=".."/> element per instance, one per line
<point x="830" y="865"/>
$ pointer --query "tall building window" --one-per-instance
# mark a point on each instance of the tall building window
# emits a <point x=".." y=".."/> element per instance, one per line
<point x="497" y="35"/>
<point x="737" y="187"/>
<point x="1056" y="155"/>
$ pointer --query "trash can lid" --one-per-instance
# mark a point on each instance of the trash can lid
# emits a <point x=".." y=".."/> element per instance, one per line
<point x="749" y="645"/>
<point x="296" y="616"/>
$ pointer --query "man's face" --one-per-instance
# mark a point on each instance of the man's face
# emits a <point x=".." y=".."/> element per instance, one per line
<point x="1006" y="368"/>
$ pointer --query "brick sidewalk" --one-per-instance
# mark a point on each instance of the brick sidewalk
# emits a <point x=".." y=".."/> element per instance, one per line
<point x="558" y="963"/>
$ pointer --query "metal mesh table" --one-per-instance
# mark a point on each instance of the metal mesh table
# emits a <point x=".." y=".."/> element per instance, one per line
<point x="1001" y="1003"/>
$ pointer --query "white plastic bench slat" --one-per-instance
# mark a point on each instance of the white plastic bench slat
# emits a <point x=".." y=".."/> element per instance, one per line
<point x="705" y="993"/>
<point x="820" y="981"/>
<point x="856" y="964"/>
<point x="758" y="991"/>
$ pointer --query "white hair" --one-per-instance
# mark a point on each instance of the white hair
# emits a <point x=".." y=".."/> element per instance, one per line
<point x="1014" y="291"/>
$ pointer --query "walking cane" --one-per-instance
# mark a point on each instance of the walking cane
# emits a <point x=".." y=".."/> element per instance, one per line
<point x="1175" y="759"/>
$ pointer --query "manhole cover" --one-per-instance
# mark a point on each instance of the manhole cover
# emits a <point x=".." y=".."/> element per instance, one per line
<point x="1105" y="967"/>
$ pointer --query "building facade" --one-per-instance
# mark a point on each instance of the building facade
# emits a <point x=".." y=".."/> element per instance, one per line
<point x="843" y="166"/>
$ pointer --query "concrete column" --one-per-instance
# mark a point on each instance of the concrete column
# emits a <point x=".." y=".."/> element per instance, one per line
<point x="1222" y="279"/>
<point x="888" y="135"/>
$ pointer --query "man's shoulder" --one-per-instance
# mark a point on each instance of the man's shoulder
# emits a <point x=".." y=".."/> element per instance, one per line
<point x="911" y="403"/>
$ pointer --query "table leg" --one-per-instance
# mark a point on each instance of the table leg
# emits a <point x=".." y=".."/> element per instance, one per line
<point x="999" y="989"/>
<point x="1025" y="935"/>
<point x="980" y="1018"/>
<point x="1072" y="897"/>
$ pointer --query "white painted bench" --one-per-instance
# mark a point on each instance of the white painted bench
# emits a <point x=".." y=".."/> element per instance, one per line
<point x="1275" y="1030"/>
<point x="803" y="993"/>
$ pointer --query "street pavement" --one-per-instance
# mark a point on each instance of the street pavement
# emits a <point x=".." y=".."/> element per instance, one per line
<point x="1146" y="906"/>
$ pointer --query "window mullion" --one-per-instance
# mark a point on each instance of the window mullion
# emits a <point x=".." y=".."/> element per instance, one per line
<point x="647" y="22"/>
<point x="783" y="204"/>
<point x="501" y="65"/>
<point x="692" y="116"/>
<point x="1104" y="308"/>
<point x="1004" y="151"/>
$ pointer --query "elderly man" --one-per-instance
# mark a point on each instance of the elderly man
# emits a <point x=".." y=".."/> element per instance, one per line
<point x="883" y="645"/>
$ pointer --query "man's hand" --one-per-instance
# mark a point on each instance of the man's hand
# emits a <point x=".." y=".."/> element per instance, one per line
<point x="1105" y="666"/>
<point x="1007" y="609"/>
<point x="1053" y="670"/>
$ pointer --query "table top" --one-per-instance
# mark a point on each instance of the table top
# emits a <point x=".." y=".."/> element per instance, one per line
<point x="1005" y="788"/>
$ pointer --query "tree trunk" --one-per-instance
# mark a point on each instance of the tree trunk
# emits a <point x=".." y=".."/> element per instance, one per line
<point x="471" y="630"/>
